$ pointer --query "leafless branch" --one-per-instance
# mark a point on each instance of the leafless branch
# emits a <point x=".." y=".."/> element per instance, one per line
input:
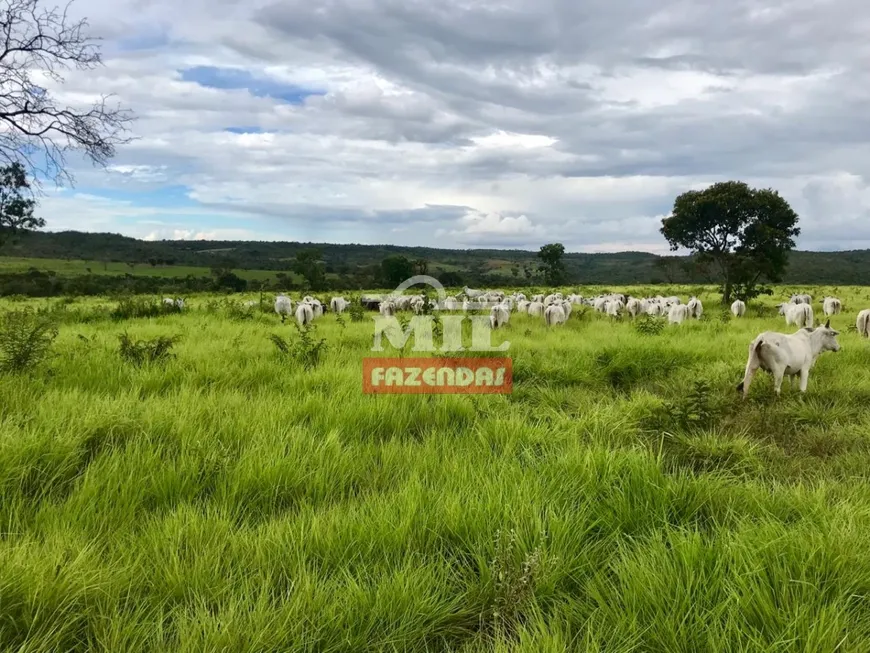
<point x="35" y="129"/>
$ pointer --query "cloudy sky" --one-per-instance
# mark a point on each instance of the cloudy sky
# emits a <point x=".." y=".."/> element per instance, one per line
<point x="465" y="123"/>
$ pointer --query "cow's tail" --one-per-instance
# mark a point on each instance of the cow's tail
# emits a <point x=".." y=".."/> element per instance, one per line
<point x="753" y="362"/>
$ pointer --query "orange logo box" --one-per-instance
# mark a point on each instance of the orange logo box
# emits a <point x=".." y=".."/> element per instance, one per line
<point x="434" y="375"/>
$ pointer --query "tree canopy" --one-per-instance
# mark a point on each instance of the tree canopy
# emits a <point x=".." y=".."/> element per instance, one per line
<point x="39" y="131"/>
<point x="16" y="209"/>
<point x="396" y="269"/>
<point x="744" y="233"/>
<point x="309" y="264"/>
<point x="551" y="263"/>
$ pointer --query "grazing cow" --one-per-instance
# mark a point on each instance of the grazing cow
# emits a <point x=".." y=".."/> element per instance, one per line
<point x="738" y="308"/>
<point x="696" y="309"/>
<point x="536" y="309"/>
<point x="678" y="313"/>
<point x="523" y="306"/>
<point x="472" y="294"/>
<point x="783" y="354"/>
<point x="387" y="308"/>
<point x="538" y="298"/>
<point x="554" y="314"/>
<point x="283" y="306"/>
<point x="634" y="307"/>
<point x="499" y="316"/>
<point x="567" y="307"/>
<point x="799" y="315"/>
<point x="338" y="305"/>
<point x="304" y="313"/>
<point x="654" y="308"/>
<point x="831" y="306"/>
<point x="316" y="308"/>
<point x="863" y="323"/>
<point x="801" y="299"/>
<point x="613" y="307"/>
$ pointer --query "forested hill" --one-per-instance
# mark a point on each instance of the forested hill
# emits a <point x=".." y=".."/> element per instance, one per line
<point x="356" y="263"/>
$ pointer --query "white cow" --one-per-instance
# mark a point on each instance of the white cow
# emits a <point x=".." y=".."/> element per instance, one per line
<point x="304" y="313"/>
<point x="799" y="315"/>
<point x="831" y="306"/>
<point x="554" y="314"/>
<point x="523" y="306"/>
<point x="338" y="305"/>
<point x="783" y="354"/>
<point x="283" y="306"/>
<point x="387" y="308"/>
<point x="863" y="323"/>
<point x="678" y="313"/>
<point x="634" y="307"/>
<point x="738" y="308"/>
<point x="567" y="307"/>
<point x="801" y="299"/>
<point x="696" y="309"/>
<point x="472" y="294"/>
<point x="536" y="309"/>
<point x="169" y="301"/>
<point x="499" y="316"/>
<point x="614" y="307"/>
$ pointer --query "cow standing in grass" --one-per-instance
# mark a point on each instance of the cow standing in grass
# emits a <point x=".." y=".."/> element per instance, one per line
<point x="738" y="308"/>
<point x="863" y="323"/>
<point x="783" y="354"/>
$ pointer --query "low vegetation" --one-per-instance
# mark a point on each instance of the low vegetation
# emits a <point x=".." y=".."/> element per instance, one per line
<point x="622" y="498"/>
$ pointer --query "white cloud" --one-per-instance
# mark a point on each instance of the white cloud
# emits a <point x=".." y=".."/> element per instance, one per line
<point x="482" y="108"/>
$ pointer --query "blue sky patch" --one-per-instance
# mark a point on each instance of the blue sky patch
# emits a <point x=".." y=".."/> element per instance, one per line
<point x="229" y="79"/>
<point x="244" y="130"/>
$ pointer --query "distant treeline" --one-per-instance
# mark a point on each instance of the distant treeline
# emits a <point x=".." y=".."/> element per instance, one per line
<point x="349" y="267"/>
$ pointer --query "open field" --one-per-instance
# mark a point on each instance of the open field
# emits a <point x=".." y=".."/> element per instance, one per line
<point x="228" y="500"/>
<point x="75" y="267"/>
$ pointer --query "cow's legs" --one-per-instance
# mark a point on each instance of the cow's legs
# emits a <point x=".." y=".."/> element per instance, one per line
<point x="805" y="376"/>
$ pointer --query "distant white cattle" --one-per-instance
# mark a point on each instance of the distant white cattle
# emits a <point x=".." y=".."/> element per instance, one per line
<point x="831" y="306"/>
<point x="863" y="323"/>
<point x="783" y="354"/>
<point x="678" y="313"/>
<point x="738" y="308"/>
<point x="554" y="314"/>
<point x="283" y="306"/>
<point x="799" y="315"/>
<point x="696" y="309"/>
<point x="499" y="316"/>
<point x="338" y="305"/>
<point x="801" y="299"/>
<point x="304" y="313"/>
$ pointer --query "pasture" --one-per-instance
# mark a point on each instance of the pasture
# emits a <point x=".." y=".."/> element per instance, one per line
<point x="622" y="498"/>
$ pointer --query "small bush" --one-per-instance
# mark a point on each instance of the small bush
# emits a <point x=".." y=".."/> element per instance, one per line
<point x="305" y="351"/>
<point x="140" y="352"/>
<point x="513" y="580"/>
<point x="356" y="310"/>
<point x="25" y="340"/>
<point x="648" y="325"/>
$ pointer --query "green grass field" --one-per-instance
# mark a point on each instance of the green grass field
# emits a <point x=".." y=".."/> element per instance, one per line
<point x="74" y="267"/>
<point x="622" y="498"/>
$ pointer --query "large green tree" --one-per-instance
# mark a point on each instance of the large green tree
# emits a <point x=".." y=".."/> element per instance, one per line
<point x="309" y="264"/>
<point x="396" y="269"/>
<point x="551" y="263"/>
<point x="744" y="234"/>
<point x="16" y="203"/>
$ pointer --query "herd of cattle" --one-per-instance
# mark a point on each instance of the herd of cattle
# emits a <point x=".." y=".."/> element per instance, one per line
<point x="779" y="354"/>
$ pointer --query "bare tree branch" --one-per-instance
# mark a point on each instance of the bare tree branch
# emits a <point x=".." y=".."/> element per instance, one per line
<point x="35" y="129"/>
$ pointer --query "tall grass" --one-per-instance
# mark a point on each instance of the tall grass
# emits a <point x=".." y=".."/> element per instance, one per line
<point x="622" y="498"/>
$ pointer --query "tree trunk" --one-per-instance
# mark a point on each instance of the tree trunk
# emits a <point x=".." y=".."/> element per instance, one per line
<point x="726" y="294"/>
